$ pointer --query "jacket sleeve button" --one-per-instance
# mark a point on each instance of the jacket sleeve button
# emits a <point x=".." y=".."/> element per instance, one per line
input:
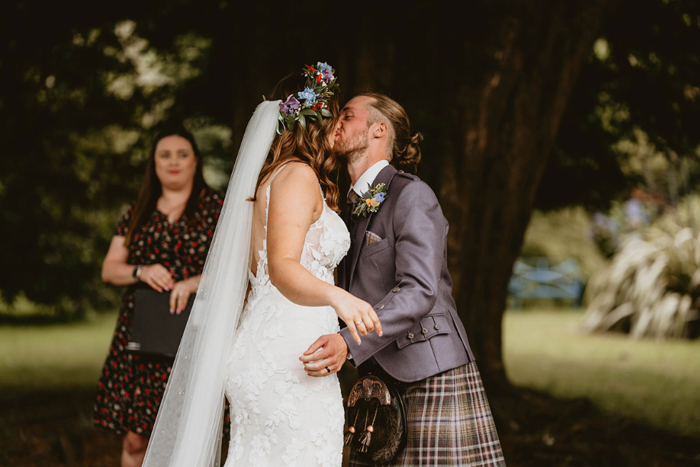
<point x="424" y="331"/>
<point x="395" y="289"/>
<point x="410" y="335"/>
<point x="437" y="327"/>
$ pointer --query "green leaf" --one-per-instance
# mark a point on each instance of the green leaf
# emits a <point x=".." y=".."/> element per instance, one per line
<point x="326" y="113"/>
<point x="307" y="112"/>
<point x="302" y="121"/>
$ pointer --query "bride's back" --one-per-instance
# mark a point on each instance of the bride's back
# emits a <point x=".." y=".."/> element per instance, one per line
<point x="262" y="203"/>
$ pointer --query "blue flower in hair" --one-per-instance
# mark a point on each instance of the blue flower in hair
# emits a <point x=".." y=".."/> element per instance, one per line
<point x="322" y="66"/>
<point x="309" y="95"/>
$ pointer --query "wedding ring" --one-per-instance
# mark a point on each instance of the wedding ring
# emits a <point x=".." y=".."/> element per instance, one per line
<point x="357" y="323"/>
<point x="181" y="293"/>
<point x="329" y="370"/>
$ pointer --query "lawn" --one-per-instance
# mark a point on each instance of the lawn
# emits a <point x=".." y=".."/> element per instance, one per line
<point x="654" y="382"/>
<point x="51" y="357"/>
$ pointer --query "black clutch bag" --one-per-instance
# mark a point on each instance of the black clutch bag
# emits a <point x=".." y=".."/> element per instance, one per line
<point x="377" y="418"/>
<point x="154" y="330"/>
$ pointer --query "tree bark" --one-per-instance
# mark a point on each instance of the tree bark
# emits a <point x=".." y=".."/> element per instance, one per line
<point x="509" y="123"/>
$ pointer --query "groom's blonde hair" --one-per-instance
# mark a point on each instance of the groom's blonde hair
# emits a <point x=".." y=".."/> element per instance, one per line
<point x="403" y="144"/>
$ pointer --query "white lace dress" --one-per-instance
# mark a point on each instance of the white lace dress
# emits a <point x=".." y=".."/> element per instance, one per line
<point x="279" y="414"/>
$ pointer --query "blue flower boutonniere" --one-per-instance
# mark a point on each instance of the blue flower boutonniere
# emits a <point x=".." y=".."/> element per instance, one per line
<point x="371" y="200"/>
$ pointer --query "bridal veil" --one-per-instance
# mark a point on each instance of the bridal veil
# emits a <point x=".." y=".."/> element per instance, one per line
<point x="188" y="428"/>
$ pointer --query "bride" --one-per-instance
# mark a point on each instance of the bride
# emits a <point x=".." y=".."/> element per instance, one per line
<point x="281" y="248"/>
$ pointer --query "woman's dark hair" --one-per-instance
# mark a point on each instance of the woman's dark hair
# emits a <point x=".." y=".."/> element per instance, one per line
<point x="311" y="146"/>
<point x="151" y="188"/>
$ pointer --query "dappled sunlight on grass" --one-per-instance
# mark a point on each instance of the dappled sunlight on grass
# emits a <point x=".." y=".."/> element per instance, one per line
<point x="656" y="382"/>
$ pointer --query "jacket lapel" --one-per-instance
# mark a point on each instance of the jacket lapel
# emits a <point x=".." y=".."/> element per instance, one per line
<point x="360" y="227"/>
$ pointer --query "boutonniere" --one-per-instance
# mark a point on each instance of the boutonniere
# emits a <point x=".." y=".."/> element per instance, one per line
<point x="371" y="200"/>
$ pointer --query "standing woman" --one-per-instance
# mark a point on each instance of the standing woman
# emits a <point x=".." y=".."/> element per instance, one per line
<point x="161" y="242"/>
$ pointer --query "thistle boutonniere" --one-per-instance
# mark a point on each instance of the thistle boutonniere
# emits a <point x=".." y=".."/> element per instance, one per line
<point x="371" y="200"/>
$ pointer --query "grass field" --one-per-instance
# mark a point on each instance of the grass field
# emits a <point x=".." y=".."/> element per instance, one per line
<point x="654" y="382"/>
<point x="53" y="356"/>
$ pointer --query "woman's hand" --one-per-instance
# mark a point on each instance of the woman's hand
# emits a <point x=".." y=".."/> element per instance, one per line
<point x="181" y="292"/>
<point x="357" y="314"/>
<point x="157" y="276"/>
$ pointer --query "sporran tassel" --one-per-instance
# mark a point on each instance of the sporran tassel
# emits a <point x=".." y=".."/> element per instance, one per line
<point x="351" y="431"/>
<point x="349" y="435"/>
<point x="366" y="436"/>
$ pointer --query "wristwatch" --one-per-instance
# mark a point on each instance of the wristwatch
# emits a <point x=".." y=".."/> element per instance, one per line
<point x="137" y="272"/>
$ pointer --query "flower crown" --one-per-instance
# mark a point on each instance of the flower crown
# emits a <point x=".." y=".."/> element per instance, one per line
<point x="312" y="102"/>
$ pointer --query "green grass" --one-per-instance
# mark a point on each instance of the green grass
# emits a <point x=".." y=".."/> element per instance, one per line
<point x="59" y="356"/>
<point x="655" y="382"/>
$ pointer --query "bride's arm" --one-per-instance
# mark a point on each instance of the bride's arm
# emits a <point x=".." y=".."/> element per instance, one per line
<point x="295" y="204"/>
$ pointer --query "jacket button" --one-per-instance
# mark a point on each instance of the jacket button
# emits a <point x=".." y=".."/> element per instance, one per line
<point x="437" y="327"/>
<point x="396" y="289"/>
<point x="424" y="331"/>
<point x="410" y="335"/>
<point x="380" y="307"/>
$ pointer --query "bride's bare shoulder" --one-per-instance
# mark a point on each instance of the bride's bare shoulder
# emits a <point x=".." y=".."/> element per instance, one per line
<point x="297" y="174"/>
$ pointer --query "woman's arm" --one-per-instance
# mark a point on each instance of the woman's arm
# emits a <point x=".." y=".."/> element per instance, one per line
<point x="295" y="204"/>
<point x="116" y="271"/>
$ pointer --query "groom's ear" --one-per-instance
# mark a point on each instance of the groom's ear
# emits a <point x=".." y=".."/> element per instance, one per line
<point x="380" y="129"/>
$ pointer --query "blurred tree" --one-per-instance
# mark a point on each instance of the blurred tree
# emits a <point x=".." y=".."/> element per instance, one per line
<point x="81" y="94"/>
<point x="633" y="111"/>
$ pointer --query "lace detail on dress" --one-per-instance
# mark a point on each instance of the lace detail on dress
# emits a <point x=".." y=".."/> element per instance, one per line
<point x="279" y="414"/>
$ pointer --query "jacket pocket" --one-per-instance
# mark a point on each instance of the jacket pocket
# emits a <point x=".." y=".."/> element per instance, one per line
<point x="429" y="327"/>
<point x="369" y="250"/>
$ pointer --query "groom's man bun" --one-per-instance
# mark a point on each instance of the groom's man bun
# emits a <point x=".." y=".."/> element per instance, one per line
<point x="404" y="145"/>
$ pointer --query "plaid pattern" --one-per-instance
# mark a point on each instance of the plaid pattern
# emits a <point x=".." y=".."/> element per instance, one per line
<point x="449" y="423"/>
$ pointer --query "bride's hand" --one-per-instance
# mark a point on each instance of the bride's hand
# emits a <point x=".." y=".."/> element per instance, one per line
<point x="358" y="315"/>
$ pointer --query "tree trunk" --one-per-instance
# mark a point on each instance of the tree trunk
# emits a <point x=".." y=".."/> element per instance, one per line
<point x="509" y="123"/>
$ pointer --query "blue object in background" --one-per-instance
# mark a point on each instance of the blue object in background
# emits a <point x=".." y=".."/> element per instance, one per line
<point x="539" y="277"/>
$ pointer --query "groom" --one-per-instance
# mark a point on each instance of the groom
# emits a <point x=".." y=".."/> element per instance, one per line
<point x="398" y="263"/>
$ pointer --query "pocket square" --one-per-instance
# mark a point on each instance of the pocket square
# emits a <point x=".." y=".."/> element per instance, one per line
<point x="371" y="238"/>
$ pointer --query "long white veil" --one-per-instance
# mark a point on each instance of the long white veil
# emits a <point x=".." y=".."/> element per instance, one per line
<point x="189" y="424"/>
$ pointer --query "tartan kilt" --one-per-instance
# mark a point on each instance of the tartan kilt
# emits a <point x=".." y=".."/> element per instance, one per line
<point x="449" y="423"/>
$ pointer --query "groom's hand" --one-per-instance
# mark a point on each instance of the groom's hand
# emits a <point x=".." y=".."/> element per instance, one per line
<point x="329" y="359"/>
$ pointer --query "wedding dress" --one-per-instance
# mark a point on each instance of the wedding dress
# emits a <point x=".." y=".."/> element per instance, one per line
<point x="279" y="414"/>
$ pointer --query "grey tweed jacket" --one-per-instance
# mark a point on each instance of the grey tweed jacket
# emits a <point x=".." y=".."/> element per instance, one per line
<point x="402" y="272"/>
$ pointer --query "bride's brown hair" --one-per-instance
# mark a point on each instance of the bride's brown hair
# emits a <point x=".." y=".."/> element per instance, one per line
<point x="310" y="146"/>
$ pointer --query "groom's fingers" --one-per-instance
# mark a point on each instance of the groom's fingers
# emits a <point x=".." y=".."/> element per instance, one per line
<point x="322" y="367"/>
<point x="320" y="342"/>
<point x="316" y="356"/>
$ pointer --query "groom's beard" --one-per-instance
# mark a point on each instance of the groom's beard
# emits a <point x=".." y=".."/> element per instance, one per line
<point x="351" y="151"/>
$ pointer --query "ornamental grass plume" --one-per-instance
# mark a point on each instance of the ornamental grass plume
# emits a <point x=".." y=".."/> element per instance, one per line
<point x="651" y="288"/>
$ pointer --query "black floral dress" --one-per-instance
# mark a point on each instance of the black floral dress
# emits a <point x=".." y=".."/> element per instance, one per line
<point x="131" y="386"/>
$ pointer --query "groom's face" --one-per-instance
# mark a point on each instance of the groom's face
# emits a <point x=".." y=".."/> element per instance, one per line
<point x="352" y="131"/>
